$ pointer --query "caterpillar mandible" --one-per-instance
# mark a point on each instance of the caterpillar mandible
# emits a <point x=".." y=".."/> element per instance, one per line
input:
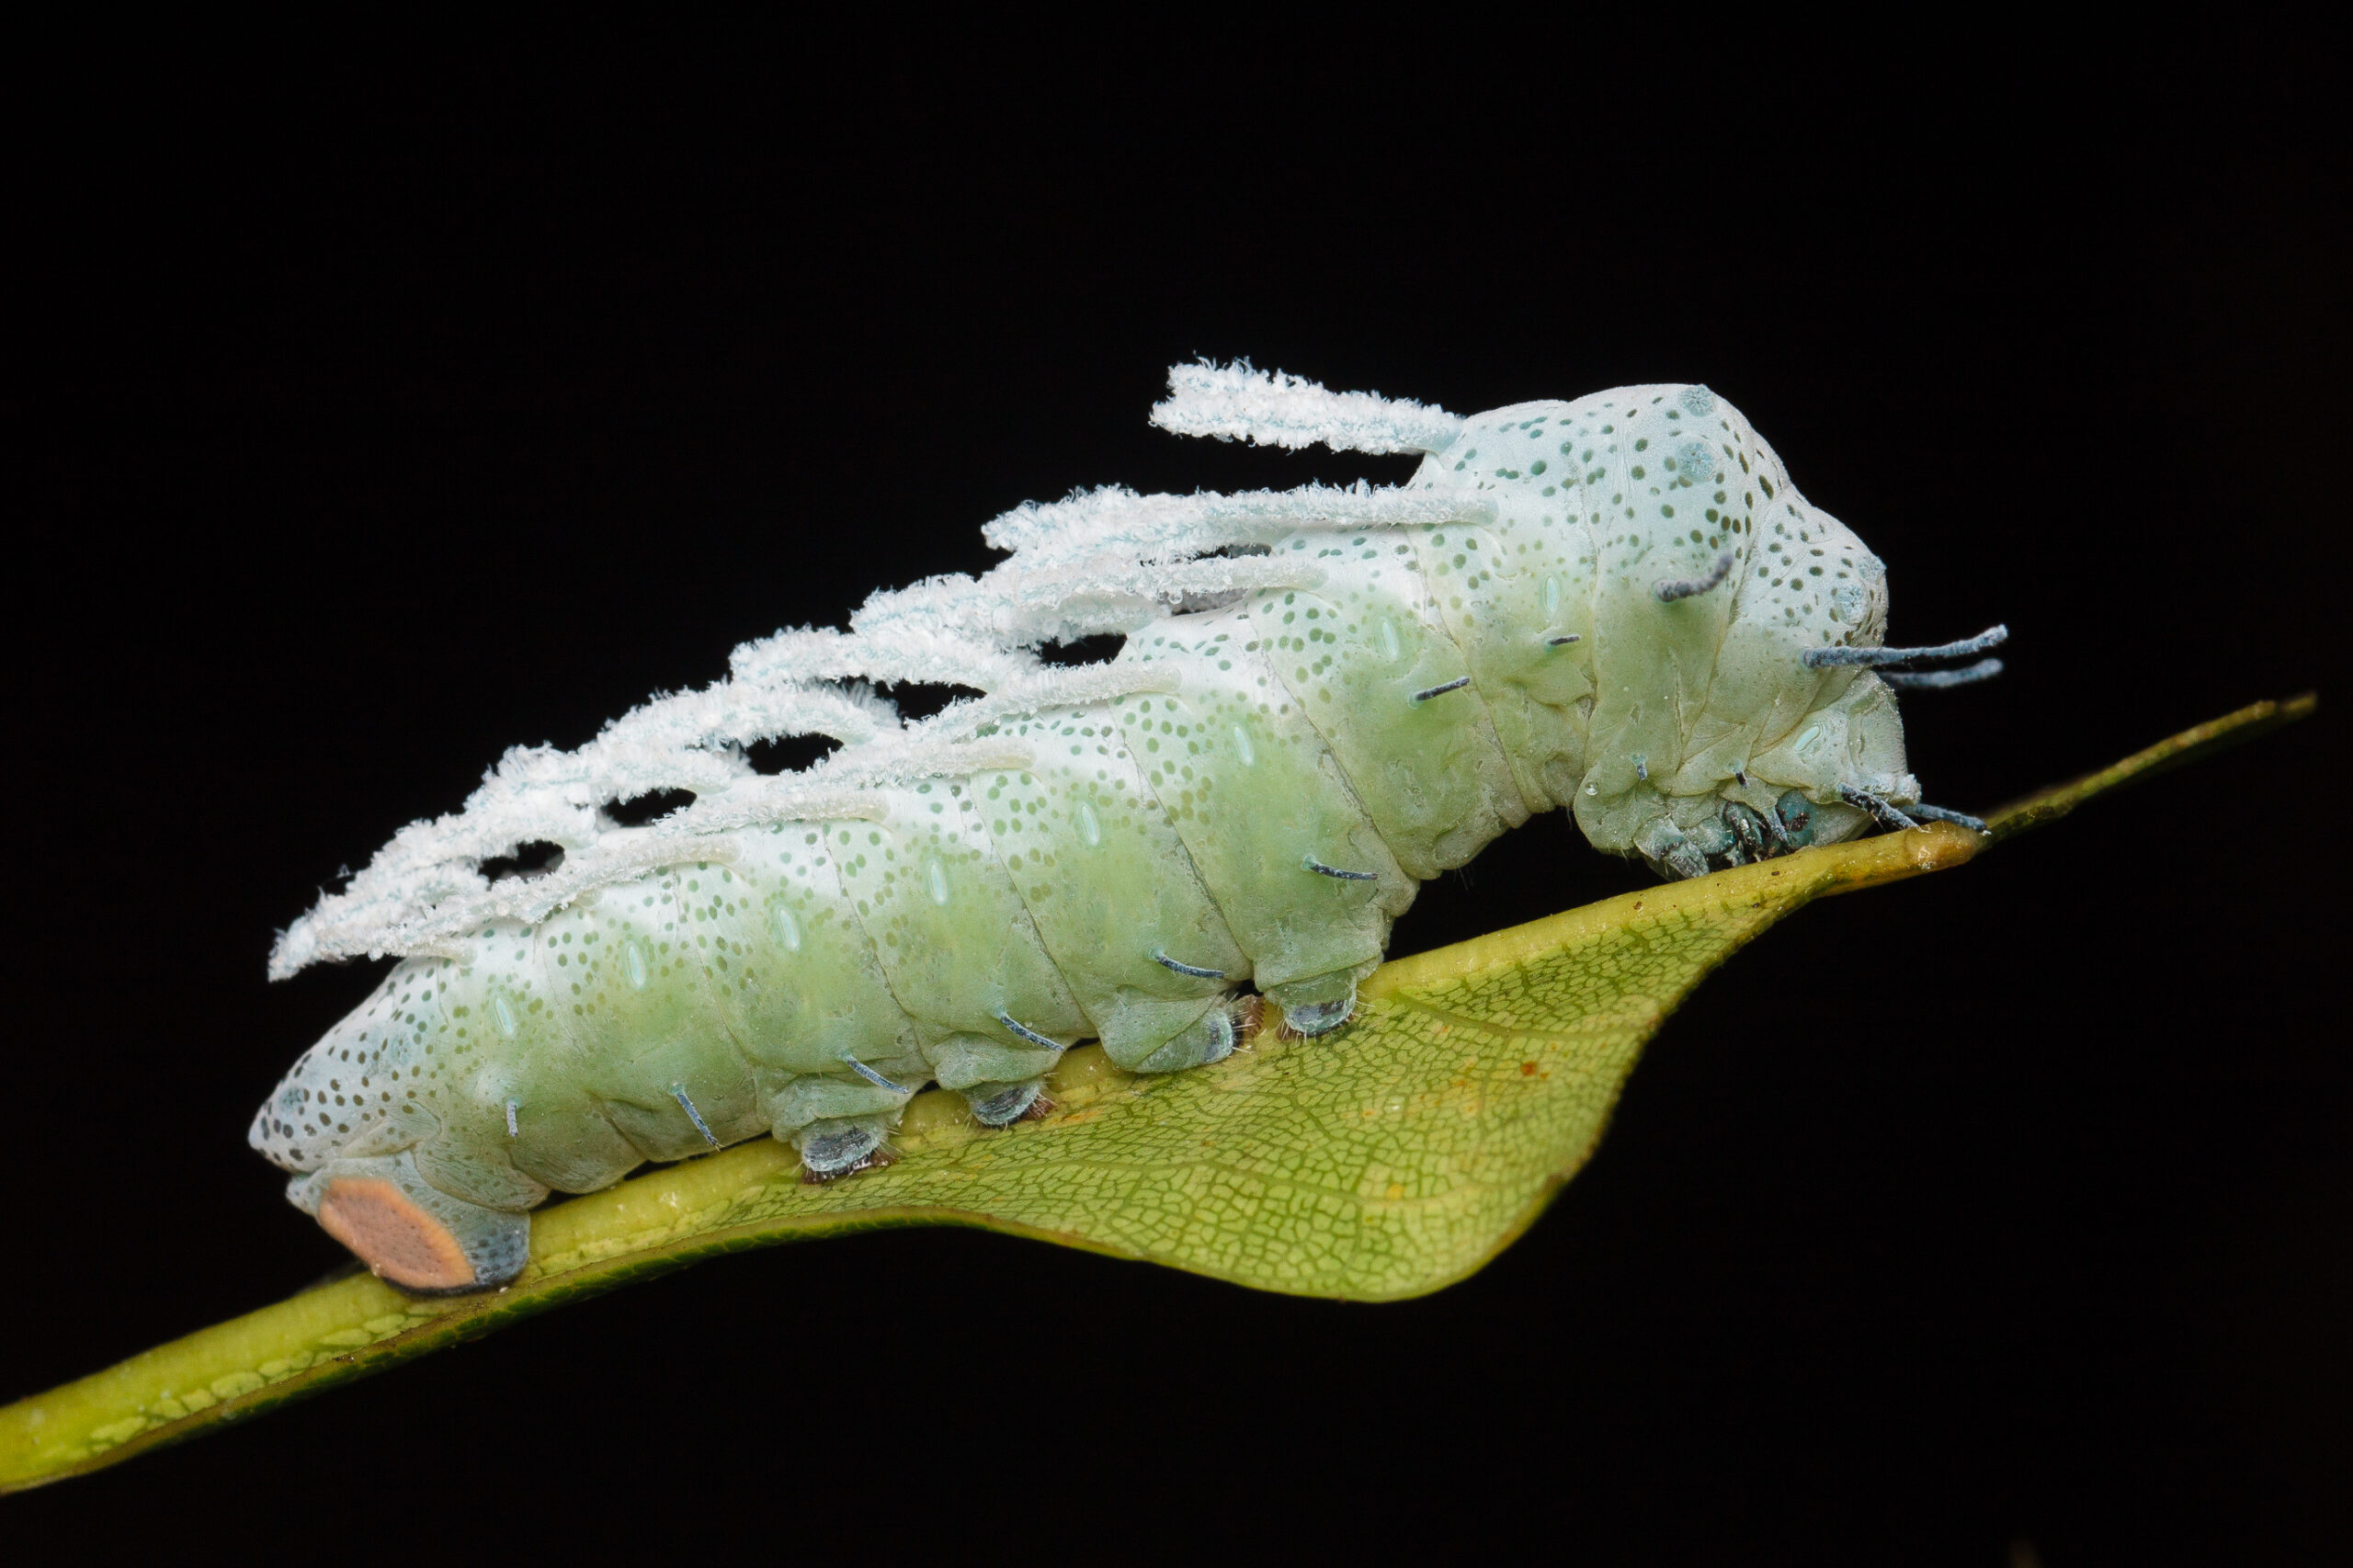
<point x="1621" y="605"/>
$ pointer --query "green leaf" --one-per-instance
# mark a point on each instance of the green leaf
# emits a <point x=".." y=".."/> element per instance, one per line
<point x="1385" y="1161"/>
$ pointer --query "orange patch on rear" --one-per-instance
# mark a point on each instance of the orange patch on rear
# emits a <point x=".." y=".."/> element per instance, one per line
<point x="392" y="1236"/>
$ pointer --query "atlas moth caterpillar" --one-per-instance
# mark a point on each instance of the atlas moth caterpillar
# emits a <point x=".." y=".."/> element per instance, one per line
<point x="1619" y="604"/>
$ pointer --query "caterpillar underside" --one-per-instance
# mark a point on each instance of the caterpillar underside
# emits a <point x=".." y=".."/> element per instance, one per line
<point x="1325" y="696"/>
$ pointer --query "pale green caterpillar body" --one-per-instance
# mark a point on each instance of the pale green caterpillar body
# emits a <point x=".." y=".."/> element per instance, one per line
<point x="1619" y="604"/>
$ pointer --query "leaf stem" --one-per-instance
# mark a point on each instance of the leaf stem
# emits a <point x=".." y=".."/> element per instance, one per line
<point x="1516" y="1029"/>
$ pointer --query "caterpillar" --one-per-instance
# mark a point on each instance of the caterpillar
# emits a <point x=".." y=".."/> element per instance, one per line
<point x="1621" y="605"/>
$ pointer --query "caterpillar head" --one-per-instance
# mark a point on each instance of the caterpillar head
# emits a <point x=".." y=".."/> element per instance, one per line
<point x="1707" y="732"/>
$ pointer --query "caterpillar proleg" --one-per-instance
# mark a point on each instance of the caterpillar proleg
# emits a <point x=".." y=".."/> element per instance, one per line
<point x="1620" y="606"/>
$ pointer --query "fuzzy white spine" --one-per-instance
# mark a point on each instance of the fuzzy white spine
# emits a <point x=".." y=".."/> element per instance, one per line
<point x="1237" y="403"/>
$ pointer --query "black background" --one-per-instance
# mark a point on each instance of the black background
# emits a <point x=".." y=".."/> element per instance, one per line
<point x="377" y="413"/>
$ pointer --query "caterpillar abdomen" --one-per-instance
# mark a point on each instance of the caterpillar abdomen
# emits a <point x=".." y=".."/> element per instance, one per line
<point x="1619" y="605"/>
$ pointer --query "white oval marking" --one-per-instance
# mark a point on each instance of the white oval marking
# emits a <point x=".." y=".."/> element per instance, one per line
<point x="504" y="1013"/>
<point x="1242" y="746"/>
<point x="788" y="929"/>
<point x="936" y="875"/>
<point x="1089" y="828"/>
<point x="633" y="964"/>
<point x="1389" y="641"/>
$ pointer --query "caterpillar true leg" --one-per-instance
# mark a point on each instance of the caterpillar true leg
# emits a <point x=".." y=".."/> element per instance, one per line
<point x="1671" y="852"/>
<point x="1747" y="829"/>
<point x="1885" y="813"/>
<point x="1795" y="814"/>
